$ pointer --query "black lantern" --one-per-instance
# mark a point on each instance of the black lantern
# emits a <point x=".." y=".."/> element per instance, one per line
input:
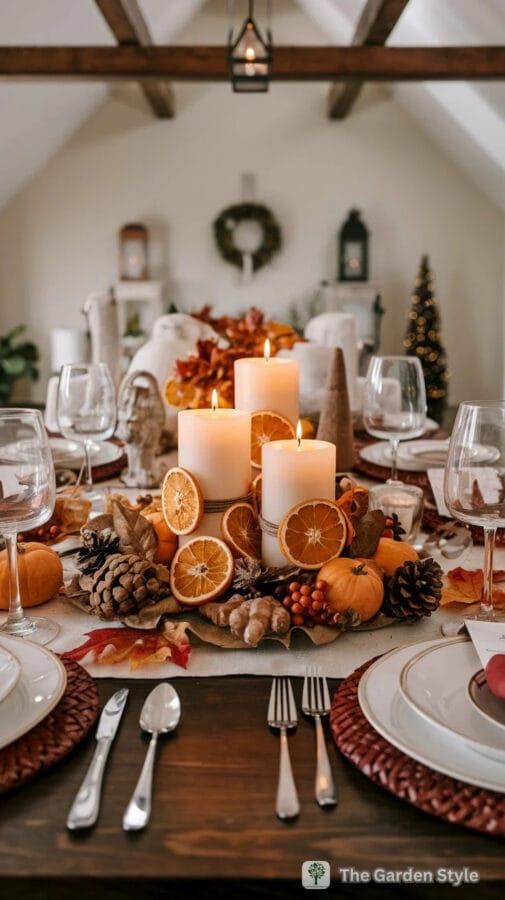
<point x="353" y="249"/>
<point x="250" y="56"/>
<point x="133" y="261"/>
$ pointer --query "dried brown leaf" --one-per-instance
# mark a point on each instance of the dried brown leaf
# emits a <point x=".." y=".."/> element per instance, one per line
<point x="367" y="534"/>
<point x="135" y="532"/>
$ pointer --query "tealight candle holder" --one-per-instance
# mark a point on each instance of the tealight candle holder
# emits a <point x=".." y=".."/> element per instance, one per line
<point x="406" y="501"/>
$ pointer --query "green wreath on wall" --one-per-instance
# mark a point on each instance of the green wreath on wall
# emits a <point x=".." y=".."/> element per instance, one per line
<point x="224" y="228"/>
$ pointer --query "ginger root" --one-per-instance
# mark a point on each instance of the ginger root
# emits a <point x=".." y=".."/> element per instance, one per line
<point x="250" y="620"/>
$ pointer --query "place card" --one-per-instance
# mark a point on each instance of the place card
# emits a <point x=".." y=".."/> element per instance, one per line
<point x="488" y="638"/>
<point x="436" y="477"/>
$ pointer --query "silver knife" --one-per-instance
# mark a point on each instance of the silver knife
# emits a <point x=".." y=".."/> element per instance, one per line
<point x="84" y="810"/>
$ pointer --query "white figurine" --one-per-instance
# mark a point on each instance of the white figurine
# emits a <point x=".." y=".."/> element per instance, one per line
<point x="141" y="417"/>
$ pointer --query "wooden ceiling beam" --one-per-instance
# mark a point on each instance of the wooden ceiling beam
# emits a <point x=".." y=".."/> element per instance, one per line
<point x="376" y="23"/>
<point x="127" y="23"/>
<point x="202" y="63"/>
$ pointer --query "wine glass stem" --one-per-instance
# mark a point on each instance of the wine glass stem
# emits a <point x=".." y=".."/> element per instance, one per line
<point x="486" y="603"/>
<point x="394" y="456"/>
<point x="16" y="622"/>
<point x="89" y="473"/>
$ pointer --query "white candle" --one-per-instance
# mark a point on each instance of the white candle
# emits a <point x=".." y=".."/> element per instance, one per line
<point x="293" y="471"/>
<point x="215" y="446"/>
<point x="265" y="383"/>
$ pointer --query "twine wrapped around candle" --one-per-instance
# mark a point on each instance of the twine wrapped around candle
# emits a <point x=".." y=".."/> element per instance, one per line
<point x="220" y="506"/>
<point x="268" y="527"/>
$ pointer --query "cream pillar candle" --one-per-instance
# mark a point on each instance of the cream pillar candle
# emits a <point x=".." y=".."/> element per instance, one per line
<point x="215" y="446"/>
<point x="268" y="383"/>
<point x="293" y="471"/>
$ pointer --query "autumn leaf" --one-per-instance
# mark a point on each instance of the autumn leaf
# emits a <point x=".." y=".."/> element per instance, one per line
<point x="465" y="586"/>
<point x="136" y="534"/>
<point x="109" y="646"/>
<point x="367" y="534"/>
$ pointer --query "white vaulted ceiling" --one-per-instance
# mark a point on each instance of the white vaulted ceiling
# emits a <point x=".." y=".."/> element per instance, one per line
<point x="466" y="118"/>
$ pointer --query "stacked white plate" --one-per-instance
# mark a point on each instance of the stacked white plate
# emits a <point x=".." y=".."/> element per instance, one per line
<point x="70" y="454"/>
<point x="419" y="455"/>
<point x="32" y="682"/>
<point x="420" y="699"/>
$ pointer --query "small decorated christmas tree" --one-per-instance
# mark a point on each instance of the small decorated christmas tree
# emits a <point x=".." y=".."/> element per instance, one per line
<point x="423" y="339"/>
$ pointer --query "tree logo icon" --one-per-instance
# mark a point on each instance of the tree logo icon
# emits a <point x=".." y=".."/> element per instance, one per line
<point x="316" y="874"/>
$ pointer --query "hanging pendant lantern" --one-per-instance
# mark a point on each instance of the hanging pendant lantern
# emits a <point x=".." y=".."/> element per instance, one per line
<point x="250" y="56"/>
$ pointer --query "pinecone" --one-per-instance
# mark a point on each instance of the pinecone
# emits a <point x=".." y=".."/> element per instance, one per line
<point x="414" y="590"/>
<point x="125" y="584"/>
<point x="97" y="547"/>
<point x="251" y="577"/>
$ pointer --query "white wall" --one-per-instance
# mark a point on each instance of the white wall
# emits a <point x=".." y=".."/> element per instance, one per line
<point x="58" y="237"/>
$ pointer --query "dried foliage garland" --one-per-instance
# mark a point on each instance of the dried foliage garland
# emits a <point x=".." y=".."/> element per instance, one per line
<point x="224" y="228"/>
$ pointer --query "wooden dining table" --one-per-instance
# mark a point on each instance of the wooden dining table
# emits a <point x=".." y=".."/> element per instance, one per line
<point x="213" y="830"/>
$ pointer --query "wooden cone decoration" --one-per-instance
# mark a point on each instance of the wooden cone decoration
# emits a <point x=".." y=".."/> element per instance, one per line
<point x="335" y="422"/>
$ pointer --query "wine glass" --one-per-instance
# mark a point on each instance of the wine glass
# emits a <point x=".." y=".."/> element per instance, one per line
<point x="474" y="479"/>
<point x="27" y="494"/>
<point x="394" y="408"/>
<point x="86" y="411"/>
<point x="394" y="405"/>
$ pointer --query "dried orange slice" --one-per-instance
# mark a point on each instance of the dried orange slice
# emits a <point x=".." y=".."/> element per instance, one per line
<point x="241" y="530"/>
<point x="181" y="501"/>
<point x="201" y="570"/>
<point x="308" y="428"/>
<point x="312" y="532"/>
<point x="266" y="426"/>
<point x="179" y="393"/>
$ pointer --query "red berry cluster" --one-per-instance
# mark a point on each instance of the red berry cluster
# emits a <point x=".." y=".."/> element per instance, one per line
<point x="44" y="534"/>
<point x="306" y="603"/>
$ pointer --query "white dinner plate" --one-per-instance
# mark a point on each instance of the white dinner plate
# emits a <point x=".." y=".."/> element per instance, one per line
<point x="386" y="710"/>
<point x="380" y="455"/>
<point x="39" y="688"/>
<point x="9" y="672"/>
<point x="419" y="455"/>
<point x="434" y="683"/>
<point x="434" y="453"/>
<point x="485" y="703"/>
<point x="70" y="454"/>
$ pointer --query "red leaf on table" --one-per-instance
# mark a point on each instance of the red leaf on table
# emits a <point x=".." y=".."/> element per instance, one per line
<point x="113" y="645"/>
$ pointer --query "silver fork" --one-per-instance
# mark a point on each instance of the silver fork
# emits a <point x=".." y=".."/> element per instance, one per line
<point x="316" y="703"/>
<point x="282" y="715"/>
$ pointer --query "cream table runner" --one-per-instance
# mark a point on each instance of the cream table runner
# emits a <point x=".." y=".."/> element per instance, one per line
<point x="337" y="660"/>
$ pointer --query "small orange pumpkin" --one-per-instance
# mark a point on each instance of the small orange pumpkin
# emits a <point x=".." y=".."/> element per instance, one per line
<point x="390" y="554"/>
<point x="40" y="574"/>
<point x="353" y="584"/>
<point x="167" y="540"/>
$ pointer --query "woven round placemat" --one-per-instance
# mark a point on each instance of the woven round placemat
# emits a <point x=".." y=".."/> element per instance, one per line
<point x="56" y="736"/>
<point x="434" y="793"/>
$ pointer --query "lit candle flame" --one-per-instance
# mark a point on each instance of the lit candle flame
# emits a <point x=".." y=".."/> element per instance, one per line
<point x="250" y="54"/>
<point x="266" y="350"/>
<point x="299" y="432"/>
<point x="215" y="400"/>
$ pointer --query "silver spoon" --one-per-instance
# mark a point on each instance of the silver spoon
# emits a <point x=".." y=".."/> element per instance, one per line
<point x="160" y="713"/>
